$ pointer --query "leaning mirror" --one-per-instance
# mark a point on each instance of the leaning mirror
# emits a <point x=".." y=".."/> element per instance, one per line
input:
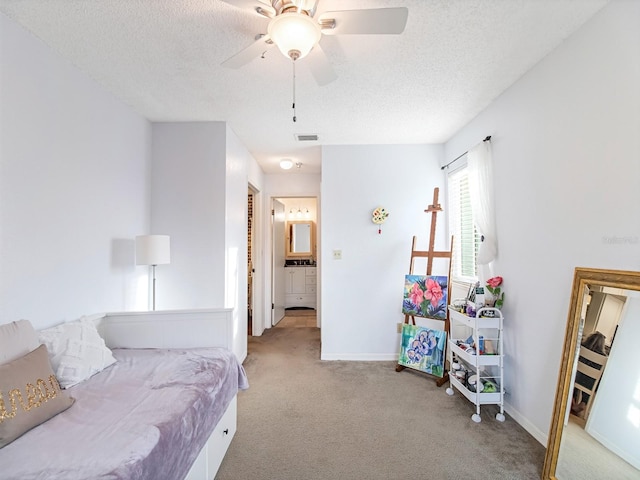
<point x="300" y="239"/>
<point x="595" y="426"/>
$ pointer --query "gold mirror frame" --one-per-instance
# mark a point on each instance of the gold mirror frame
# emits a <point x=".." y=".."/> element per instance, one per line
<point x="583" y="278"/>
<point x="289" y="239"/>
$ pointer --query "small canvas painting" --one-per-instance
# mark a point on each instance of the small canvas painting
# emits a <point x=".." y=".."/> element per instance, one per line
<point x="425" y="296"/>
<point x="423" y="349"/>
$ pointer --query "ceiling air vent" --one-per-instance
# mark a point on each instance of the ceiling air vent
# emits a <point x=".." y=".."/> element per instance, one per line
<point x="304" y="137"/>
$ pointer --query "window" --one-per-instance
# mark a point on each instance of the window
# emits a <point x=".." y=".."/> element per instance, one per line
<point x="461" y="225"/>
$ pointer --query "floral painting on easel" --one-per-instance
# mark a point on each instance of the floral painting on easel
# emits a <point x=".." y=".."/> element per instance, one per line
<point x="423" y="349"/>
<point x="425" y="296"/>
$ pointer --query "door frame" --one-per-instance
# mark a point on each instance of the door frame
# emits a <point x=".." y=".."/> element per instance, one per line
<point x="257" y="241"/>
<point x="277" y="309"/>
<point x="272" y="286"/>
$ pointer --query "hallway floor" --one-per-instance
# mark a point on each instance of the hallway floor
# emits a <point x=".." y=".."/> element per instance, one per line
<point x="298" y="319"/>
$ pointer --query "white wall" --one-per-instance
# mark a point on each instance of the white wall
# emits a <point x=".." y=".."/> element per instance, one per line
<point x="362" y="293"/>
<point x="200" y="180"/>
<point x="188" y="203"/>
<point x="240" y="164"/>
<point x="565" y="149"/>
<point x="308" y="207"/>
<point x="73" y="188"/>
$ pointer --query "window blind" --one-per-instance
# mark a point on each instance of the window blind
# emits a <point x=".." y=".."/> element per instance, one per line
<point x="461" y="226"/>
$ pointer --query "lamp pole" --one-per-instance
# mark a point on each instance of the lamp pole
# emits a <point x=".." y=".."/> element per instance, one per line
<point x="154" y="286"/>
<point x="153" y="250"/>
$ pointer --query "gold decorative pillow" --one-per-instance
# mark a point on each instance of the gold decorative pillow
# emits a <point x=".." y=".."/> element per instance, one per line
<point x="29" y="394"/>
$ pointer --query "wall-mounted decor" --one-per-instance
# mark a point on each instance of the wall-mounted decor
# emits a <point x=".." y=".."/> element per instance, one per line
<point x="425" y="296"/>
<point x="379" y="216"/>
<point x="423" y="349"/>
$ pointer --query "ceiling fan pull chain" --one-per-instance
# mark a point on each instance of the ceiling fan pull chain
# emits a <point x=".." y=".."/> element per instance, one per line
<point x="294" y="90"/>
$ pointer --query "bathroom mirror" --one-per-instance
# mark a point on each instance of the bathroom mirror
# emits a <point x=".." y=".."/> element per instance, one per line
<point x="299" y="239"/>
<point x="604" y="444"/>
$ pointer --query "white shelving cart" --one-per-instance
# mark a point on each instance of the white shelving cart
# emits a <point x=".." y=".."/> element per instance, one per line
<point x="480" y="357"/>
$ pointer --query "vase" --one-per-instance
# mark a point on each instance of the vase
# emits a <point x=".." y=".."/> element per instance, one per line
<point x="489" y="300"/>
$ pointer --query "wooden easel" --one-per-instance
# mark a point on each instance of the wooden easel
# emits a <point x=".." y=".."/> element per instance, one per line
<point x="430" y="255"/>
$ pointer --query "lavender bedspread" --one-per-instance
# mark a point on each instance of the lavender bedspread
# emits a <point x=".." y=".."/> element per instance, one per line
<point x="145" y="417"/>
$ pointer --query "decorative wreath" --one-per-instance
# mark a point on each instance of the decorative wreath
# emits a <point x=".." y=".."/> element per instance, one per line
<point x="379" y="215"/>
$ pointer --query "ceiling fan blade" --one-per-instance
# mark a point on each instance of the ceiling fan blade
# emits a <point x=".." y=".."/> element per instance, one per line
<point x="367" y="21"/>
<point x="320" y="67"/>
<point x="254" y="50"/>
<point x="255" y="6"/>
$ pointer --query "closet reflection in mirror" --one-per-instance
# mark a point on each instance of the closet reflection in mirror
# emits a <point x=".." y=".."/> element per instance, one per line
<point x="300" y="239"/>
<point x="597" y="435"/>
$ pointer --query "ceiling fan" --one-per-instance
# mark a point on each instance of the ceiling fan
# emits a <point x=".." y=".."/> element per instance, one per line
<point x="294" y="28"/>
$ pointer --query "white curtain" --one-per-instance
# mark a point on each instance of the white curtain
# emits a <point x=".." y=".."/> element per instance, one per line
<point x="481" y="192"/>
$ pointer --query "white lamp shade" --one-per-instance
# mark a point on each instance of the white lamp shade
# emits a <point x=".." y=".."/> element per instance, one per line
<point x="153" y="250"/>
<point x="294" y="31"/>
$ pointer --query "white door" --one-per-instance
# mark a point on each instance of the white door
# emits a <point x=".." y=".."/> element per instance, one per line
<point x="277" y="266"/>
<point x="609" y="316"/>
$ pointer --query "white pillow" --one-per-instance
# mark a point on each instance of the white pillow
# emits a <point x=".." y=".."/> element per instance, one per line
<point x="16" y="340"/>
<point x="76" y="350"/>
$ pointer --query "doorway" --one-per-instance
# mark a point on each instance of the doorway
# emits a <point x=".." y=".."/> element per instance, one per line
<point x="295" y="266"/>
<point x="255" y="268"/>
<point x="250" y="269"/>
<point x="278" y="221"/>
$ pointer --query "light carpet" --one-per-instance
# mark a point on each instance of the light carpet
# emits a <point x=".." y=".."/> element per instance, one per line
<point x="303" y="418"/>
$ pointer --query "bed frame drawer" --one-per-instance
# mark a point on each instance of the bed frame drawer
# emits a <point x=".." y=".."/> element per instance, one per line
<point x="208" y="461"/>
<point x="221" y="437"/>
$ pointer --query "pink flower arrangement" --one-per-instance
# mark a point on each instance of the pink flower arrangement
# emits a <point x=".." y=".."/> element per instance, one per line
<point x="493" y="287"/>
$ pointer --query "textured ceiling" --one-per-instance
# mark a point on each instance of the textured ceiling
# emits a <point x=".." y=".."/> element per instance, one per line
<point x="162" y="57"/>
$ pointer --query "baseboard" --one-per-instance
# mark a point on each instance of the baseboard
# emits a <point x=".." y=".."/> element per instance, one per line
<point x="535" y="432"/>
<point x="615" y="449"/>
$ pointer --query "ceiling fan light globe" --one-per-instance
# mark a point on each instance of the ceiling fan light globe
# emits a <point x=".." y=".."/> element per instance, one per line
<point x="293" y="31"/>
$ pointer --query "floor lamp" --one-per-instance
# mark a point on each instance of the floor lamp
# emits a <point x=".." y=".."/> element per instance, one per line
<point x="153" y="250"/>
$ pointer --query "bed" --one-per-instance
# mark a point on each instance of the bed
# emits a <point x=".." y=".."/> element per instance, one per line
<point x="164" y="411"/>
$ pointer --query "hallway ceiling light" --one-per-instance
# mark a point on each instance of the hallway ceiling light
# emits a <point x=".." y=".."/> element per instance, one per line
<point x="286" y="164"/>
